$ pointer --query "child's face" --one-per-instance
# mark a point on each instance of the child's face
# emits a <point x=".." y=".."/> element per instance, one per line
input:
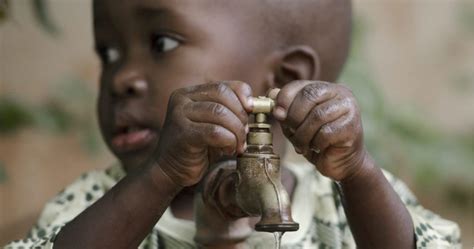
<point x="149" y="48"/>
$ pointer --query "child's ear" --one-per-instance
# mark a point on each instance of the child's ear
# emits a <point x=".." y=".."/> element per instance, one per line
<point x="294" y="63"/>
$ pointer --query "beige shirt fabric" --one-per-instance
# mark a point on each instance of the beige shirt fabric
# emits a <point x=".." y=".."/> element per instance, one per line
<point x="316" y="206"/>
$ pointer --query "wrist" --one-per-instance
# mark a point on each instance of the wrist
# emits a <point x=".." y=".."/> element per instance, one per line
<point x="182" y="172"/>
<point x="364" y="170"/>
<point x="162" y="182"/>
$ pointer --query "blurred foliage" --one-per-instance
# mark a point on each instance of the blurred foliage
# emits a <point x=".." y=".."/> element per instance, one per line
<point x="76" y="98"/>
<point x="466" y="15"/>
<point x="3" y="9"/>
<point x="400" y="138"/>
<point x="13" y="115"/>
<point x="40" y="12"/>
<point x="69" y="107"/>
<point x="3" y="174"/>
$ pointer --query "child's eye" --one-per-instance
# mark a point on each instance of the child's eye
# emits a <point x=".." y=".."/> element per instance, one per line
<point x="163" y="43"/>
<point x="109" y="55"/>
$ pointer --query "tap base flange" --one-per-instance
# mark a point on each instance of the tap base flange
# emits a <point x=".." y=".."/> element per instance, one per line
<point x="286" y="227"/>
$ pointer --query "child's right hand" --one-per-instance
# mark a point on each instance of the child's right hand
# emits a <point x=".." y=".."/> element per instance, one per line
<point x="203" y="123"/>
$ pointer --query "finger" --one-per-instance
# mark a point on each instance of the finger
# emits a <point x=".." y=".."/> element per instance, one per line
<point x="339" y="133"/>
<point x="285" y="98"/>
<point x="220" y="93"/>
<point x="214" y="136"/>
<point x="307" y="98"/>
<point x="243" y="92"/>
<point x="287" y="131"/>
<point x="215" y="113"/>
<point x="320" y="115"/>
<point x="289" y="134"/>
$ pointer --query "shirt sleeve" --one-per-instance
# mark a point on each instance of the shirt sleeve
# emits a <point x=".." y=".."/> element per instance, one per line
<point x="64" y="207"/>
<point x="431" y="230"/>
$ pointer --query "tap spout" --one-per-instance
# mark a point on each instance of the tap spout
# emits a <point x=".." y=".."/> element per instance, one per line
<point x="253" y="187"/>
<point x="259" y="192"/>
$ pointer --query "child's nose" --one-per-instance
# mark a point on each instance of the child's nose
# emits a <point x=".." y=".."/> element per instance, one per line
<point x="129" y="84"/>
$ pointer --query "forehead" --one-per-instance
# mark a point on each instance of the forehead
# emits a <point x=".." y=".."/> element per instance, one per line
<point x="181" y="8"/>
<point x="213" y="16"/>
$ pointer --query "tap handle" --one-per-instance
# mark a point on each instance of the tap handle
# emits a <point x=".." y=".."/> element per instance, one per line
<point x="273" y="93"/>
<point x="262" y="104"/>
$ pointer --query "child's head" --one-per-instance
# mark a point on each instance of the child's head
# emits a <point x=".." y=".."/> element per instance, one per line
<point x="149" y="48"/>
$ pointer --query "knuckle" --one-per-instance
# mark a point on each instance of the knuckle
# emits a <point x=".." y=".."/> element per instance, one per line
<point x="221" y="88"/>
<point x="350" y="118"/>
<point x="311" y="92"/>
<point x="218" y="110"/>
<point x="317" y="113"/>
<point x="346" y="103"/>
<point x="326" y="130"/>
<point x="213" y="132"/>
<point x="243" y="88"/>
<point x="348" y="100"/>
<point x="191" y="107"/>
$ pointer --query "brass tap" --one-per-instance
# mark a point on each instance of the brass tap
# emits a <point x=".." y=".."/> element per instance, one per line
<point x="252" y="187"/>
<point x="259" y="191"/>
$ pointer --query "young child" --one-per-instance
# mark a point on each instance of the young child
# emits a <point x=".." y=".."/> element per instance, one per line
<point x="167" y="113"/>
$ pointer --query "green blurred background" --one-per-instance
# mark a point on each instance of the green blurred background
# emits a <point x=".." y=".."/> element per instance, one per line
<point x="411" y="68"/>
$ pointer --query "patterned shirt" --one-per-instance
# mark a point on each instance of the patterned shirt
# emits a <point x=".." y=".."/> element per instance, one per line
<point x="316" y="206"/>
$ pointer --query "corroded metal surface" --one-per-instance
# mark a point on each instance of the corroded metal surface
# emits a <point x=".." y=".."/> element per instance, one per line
<point x="257" y="189"/>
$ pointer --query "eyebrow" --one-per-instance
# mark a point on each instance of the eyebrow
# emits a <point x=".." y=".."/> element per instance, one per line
<point x="167" y="17"/>
<point x="147" y="12"/>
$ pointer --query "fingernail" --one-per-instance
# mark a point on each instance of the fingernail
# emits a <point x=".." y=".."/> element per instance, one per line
<point x="279" y="113"/>
<point x="250" y="102"/>
<point x="273" y="93"/>
<point x="297" y="150"/>
<point x="317" y="151"/>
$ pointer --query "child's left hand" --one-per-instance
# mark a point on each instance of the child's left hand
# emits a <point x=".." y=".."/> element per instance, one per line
<point x="322" y="121"/>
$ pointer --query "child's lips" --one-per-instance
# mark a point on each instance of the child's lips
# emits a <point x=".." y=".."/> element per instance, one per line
<point x="133" y="139"/>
